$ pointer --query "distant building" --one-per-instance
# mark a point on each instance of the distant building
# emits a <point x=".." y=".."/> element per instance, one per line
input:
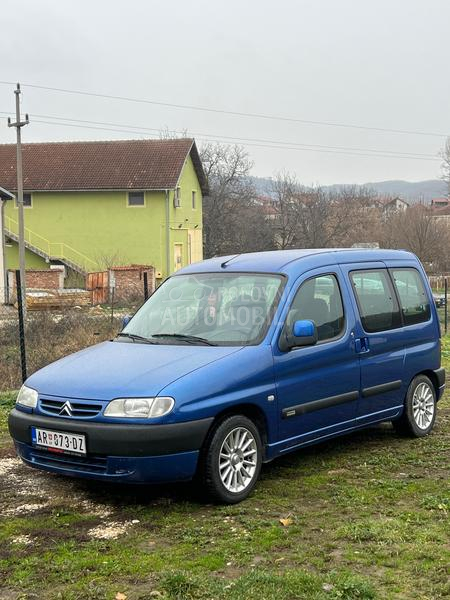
<point x="437" y="203"/>
<point x="442" y="214"/>
<point x="391" y="206"/>
<point x="268" y="206"/>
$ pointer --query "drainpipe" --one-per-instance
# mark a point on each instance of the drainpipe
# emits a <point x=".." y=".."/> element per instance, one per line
<point x="168" y="270"/>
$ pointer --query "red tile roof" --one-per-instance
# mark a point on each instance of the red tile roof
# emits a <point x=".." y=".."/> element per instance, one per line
<point x="132" y="268"/>
<point x="107" y="165"/>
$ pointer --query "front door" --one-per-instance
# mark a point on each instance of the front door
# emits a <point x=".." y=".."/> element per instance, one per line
<point x="318" y="386"/>
<point x="379" y="341"/>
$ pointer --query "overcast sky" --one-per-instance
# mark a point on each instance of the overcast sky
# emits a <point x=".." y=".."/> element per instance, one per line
<point x="380" y="64"/>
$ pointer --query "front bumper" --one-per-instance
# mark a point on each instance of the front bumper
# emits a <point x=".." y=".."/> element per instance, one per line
<point x="117" y="452"/>
<point x="440" y="377"/>
<point x="120" y="469"/>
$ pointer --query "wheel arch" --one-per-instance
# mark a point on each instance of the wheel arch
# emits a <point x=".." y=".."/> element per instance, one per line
<point x="432" y="377"/>
<point x="247" y="409"/>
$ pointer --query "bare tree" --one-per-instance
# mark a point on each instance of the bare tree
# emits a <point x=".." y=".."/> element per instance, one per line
<point x="419" y="231"/>
<point x="285" y="188"/>
<point x="168" y="134"/>
<point x="331" y="218"/>
<point x="445" y="155"/>
<point x="232" y="220"/>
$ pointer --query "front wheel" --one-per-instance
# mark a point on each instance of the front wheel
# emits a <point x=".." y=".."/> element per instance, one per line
<point x="232" y="459"/>
<point x="419" y="413"/>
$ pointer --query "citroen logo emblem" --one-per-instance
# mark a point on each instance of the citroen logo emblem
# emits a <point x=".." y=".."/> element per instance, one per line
<point x="66" y="409"/>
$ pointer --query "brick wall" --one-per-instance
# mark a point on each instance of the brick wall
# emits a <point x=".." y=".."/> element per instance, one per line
<point x="37" y="279"/>
<point x="128" y="282"/>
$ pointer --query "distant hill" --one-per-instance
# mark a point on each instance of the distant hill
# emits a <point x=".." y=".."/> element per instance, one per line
<point x="413" y="191"/>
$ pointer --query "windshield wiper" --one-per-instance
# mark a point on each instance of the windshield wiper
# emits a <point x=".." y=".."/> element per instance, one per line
<point x="135" y="337"/>
<point x="190" y="339"/>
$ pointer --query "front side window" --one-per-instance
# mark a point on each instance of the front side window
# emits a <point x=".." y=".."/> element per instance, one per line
<point x="136" y="199"/>
<point x="319" y="300"/>
<point x="216" y="308"/>
<point x="376" y="300"/>
<point x="413" y="299"/>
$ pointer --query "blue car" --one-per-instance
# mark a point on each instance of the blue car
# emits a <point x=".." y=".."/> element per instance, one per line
<point x="237" y="360"/>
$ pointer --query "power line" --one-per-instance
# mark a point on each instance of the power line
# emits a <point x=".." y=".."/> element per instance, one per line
<point x="131" y="129"/>
<point x="230" y="112"/>
<point x="298" y="148"/>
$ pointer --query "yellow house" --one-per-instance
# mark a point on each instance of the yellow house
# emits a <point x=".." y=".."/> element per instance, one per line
<point x="89" y="205"/>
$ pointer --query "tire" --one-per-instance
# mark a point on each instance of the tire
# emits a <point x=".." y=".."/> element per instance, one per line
<point x="419" y="413"/>
<point x="231" y="459"/>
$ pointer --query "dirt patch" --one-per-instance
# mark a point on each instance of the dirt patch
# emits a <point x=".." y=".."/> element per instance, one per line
<point x="8" y="464"/>
<point x="110" y="530"/>
<point x="24" y="509"/>
<point x="22" y="539"/>
<point x="7" y="452"/>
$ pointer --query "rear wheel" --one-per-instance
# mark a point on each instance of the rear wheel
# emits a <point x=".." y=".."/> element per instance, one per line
<point x="419" y="413"/>
<point x="232" y="459"/>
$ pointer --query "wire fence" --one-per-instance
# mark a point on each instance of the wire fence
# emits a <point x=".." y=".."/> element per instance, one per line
<point x="60" y="322"/>
<point x="57" y="323"/>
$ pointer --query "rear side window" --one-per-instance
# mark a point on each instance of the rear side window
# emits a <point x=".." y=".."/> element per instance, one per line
<point x="319" y="299"/>
<point x="413" y="298"/>
<point x="376" y="299"/>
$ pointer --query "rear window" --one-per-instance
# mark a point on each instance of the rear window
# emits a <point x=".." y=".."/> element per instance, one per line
<point x="413" y="298"/>
<point x="376" y="300"/>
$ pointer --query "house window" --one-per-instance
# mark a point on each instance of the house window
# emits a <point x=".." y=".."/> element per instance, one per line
<point x="27" y="202"/>
<point x="177" y="198"/>
<point x="136" y="199"/>
<point x="194" y="199"/>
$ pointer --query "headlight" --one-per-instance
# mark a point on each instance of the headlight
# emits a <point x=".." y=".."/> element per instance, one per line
<point x="140" y="408"/>
<point x="27" y="397"/>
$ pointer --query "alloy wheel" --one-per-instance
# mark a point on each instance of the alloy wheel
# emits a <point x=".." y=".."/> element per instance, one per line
<point x="423" y="405"/>
<point x="238" y="460"/>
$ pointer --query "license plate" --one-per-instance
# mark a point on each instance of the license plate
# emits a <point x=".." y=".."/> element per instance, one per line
<point x="59" y="441"/>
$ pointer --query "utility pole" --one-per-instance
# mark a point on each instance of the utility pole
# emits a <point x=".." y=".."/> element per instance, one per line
<point x="18" y="125"/>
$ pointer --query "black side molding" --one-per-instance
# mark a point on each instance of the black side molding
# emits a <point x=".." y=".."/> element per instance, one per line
<point x="382" y="388"/>
<point x="440" y="374"/>
<point x="300" y="409"/>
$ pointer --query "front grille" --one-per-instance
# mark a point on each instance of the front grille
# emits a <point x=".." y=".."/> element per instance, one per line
<point x="78" y="409"/>
<point x="87" y="464"/>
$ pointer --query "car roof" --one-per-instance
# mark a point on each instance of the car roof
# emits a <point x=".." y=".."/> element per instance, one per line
<point x="292" y="261"/>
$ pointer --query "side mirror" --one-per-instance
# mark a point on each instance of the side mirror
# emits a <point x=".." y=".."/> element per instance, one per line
<point x="125" y="320"/>
<point x="304" y="333"/>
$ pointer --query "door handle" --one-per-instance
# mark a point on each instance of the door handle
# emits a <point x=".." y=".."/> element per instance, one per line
<point x="362" y="345"/>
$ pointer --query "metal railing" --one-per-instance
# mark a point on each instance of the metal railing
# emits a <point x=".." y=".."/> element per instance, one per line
<point x="56" y="250"/>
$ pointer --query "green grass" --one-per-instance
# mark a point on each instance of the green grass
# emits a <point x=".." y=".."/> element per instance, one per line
<point x="369" y="519"/>
<point x="7" y="400"/>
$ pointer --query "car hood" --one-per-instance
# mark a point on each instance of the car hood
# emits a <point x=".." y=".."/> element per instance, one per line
<point x="121" y="369"/>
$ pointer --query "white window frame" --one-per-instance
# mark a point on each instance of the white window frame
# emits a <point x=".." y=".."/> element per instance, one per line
<point x="143" y="205"/>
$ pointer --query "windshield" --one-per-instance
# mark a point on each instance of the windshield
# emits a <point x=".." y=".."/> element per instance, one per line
<point x="214" y="308"/>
